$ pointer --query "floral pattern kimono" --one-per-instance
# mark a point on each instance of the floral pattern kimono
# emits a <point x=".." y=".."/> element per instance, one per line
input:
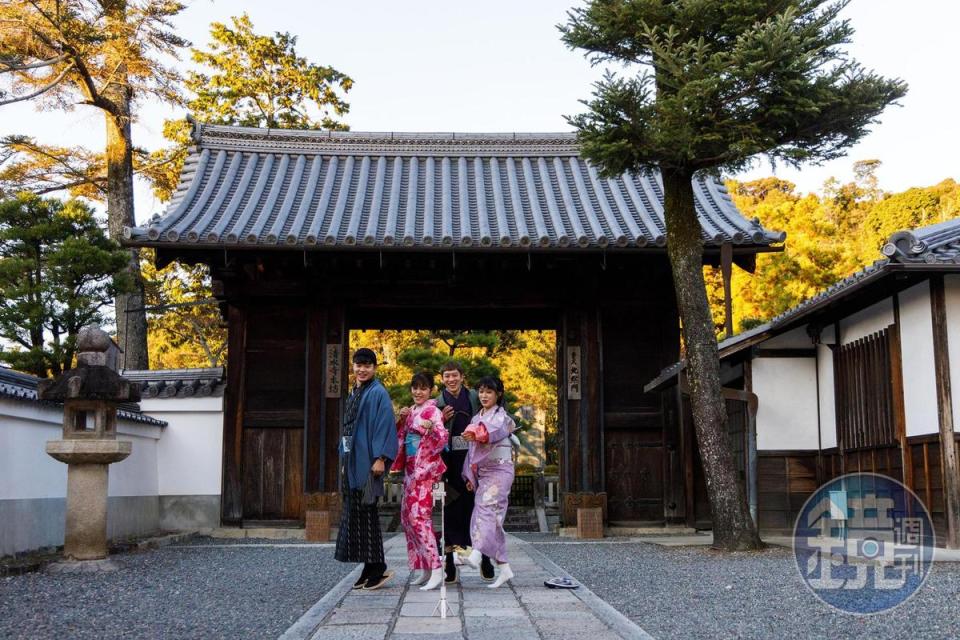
<point x="489" y="467"/>
<point x="419" y="459"/>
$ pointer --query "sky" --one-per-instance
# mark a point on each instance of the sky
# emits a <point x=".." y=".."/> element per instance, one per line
<point x="499" y="66"/>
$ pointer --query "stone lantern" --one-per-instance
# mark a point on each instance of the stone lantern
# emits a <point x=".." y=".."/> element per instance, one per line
<point x="90" y="394"/>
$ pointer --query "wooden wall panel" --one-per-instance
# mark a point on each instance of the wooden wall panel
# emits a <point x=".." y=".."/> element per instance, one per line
<point x="786" y="480"/>
<point x="273" y="474"/>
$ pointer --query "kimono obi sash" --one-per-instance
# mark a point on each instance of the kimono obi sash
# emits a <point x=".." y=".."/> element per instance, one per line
<point x="411" y="444"/>
<point x="502" y="451"/>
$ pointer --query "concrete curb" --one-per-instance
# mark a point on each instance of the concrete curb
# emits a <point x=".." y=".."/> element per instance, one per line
<point x="307" y="624"/>
<point x="303" y="628"/>
<point x="621" y="624"/>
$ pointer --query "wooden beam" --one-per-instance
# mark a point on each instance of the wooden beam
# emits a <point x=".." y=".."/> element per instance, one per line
<point x="948" y="449"/>
<point x="231" y="501"/>
<point x="896" y="384"/>
<point x="726" y="270"/>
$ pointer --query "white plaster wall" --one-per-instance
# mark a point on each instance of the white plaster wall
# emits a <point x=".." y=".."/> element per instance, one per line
<point x="190" y="453"/>
<point x="827" y="399"/>
<point x="866" y="321"/>
<point x="952" y="290"/>
<point x="919" y="378"/>
<point x="27" y="472"/>
<point x="793" y="339"/>
<point x="137" y="474"/>
<point x="787" y="409"/>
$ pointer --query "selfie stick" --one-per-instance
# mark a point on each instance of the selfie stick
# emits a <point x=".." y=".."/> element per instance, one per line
<point x="439" y="493"/>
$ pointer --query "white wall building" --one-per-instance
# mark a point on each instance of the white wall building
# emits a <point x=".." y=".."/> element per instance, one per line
<point x="855" y="379"/>
<point x="171" y="480"/>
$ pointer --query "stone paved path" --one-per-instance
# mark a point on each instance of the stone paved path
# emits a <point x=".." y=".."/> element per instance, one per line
<point x="520" y="610"/>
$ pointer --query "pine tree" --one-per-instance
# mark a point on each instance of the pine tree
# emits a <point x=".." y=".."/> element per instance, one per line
<point x="107" y="54"/>
<point x="58" y="271"/>
<point x="717" y="83"/>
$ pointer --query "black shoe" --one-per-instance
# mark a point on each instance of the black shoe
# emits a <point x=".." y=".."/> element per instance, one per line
<point x="450" y="570"/>
<point x="364" y="576"/>
<point x="486" y="569"/>
<point x="375" y="582"/>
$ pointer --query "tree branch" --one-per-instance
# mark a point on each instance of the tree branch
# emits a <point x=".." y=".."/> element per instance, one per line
<point x="42" y="90"/>
<point x="6" y="67"/>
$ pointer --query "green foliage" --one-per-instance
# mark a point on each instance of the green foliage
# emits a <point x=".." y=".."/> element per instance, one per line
<point x="716" y="83"/>
<point x="184" y="321"/>
<point x="250" y="80"/>
<point x="58" y="270"/>
<point x="260" y="81"/>
<point x="829" y="237"/>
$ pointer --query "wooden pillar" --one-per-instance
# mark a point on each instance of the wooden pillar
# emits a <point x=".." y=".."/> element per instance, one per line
<point x="726" y="271"/>
<point x="591" y="406"/>
<point x="336" y="336"/>
<point x="948" y="450"/>
<point x="315" y="388"/>
<point x="571" y="383"/>
<point x="674" y="493"/>
<point x="896" y="384"/>
<point x="231" y="501"/>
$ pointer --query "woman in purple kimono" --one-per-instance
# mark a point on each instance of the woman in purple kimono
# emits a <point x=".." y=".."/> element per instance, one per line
<point x="488" y="470"/>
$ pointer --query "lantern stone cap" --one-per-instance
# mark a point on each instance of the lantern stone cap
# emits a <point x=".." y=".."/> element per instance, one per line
<point x="89" y="451"/>
<point x="88" y="383"/>
<point x="95" y="376"/>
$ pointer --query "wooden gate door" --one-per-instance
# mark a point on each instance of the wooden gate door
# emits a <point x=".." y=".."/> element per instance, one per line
<point x="634" y="466"/>
<point x="272" y="465"/>
<point x="634" y="347"/>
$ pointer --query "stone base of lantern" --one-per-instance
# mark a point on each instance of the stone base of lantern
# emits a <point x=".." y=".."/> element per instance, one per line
<point x="88" y="462"/>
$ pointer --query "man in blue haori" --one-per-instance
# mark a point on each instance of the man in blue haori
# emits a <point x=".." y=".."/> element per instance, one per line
<point x="368" y="446"/>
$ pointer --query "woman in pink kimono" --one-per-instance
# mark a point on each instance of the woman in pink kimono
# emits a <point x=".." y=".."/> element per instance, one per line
<point x="488" y="470"/>
<point x="421" y="439"/>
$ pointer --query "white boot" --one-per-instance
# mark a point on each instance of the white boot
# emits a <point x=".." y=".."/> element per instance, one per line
<point x="436" y="577"/>
<point x="505" y="574"/>
<point x="473" y="560"/>
<point x="420" y="578"/>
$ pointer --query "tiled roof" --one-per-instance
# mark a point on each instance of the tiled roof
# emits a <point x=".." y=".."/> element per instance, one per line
<point x="23" y="386"/>
<point x="937" y="243"/>
<point x="178" y="383"/>
<point x="270" y="188"/>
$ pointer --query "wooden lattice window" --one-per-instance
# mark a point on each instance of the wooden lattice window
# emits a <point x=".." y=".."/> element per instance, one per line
<point x="863" y="382"/>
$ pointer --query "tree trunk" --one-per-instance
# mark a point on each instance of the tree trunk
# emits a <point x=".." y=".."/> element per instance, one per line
<point x="131" y="325"/>
<point x="733" y="529"/>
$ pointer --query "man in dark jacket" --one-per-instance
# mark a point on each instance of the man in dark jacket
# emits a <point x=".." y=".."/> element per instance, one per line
<point x="459" y="404"/>
<point x="368" y="445"/>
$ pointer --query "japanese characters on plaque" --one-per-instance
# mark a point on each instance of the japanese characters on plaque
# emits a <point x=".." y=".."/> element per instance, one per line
<point x="574" y="376"/>
<point x="334" y="374"/>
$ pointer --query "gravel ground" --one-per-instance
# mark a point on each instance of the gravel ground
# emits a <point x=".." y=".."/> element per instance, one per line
<point x="693" y="592"/>
<point x="199" y="591"/>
